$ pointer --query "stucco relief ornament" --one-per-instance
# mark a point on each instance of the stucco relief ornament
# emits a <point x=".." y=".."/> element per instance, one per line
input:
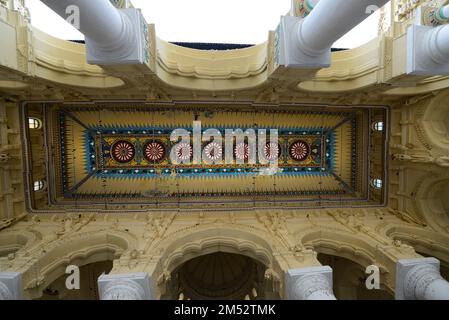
<point x="441" y="161"/>
<point x="270" y="274"/>
<point x="5" y="223"/>
<point x="4" y="157"/>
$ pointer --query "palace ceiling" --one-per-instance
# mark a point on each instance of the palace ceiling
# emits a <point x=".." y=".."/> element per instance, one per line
<point x="124" y="155"/>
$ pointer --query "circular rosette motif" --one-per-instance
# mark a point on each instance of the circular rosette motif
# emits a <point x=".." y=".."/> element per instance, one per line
<point x="213" y="151"/>
<point x="299" y="150"/>
<point x="272" y="151"/>
<point x="123" y="151"/>
<point x="184" y="152"/>
<point x="154" y="151"/>
<point x="241" y="151"/>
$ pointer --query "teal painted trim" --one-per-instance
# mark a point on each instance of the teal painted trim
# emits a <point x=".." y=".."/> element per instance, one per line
<point x="441" y="14"/>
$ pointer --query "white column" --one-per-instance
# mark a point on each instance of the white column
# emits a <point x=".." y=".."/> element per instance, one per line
<point x="307" y="42"/>
<point x="99" y="20"/>
<point x="332" y="19"/>
<point x="313" y="283"/>
<point x="420" y="279"/>
<point x="113" y="36"/>
<point x="428" y="49"/>
<point x="132" y="286"/>
<point x="10" y="286"/>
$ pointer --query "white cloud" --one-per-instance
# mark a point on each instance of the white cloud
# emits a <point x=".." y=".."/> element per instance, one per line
<point x="230" y="21"/>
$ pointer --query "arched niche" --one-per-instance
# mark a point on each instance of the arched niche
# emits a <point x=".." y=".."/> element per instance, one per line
<point x="88" y="290"/>
<point x="11" y="243"/>
<point x="79" y="250"/>
<point x="220" y="276"/>
<point x="433" y="202"/>
<point x="350" y="279"/>
<point x="189" y="244"/>
<point x="344" y="252"/>
<point x="436" y="121"/>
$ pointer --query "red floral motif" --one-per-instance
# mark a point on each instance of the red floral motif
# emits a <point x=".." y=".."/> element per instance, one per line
<point x="123" y="151"/>
<point x="272" y="151"/>
<point x="213" y="151"/>
<point x="184" y="152"/>
<point x="241" y="151"/>
<point x="154" y="151"/>
<point x="299" y="150"/>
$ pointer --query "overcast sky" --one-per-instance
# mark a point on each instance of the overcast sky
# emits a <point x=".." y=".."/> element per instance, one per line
<point x="217" y="21"/>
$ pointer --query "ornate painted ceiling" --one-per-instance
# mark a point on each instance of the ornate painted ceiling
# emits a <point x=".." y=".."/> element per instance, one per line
<point x="123" y="155"/>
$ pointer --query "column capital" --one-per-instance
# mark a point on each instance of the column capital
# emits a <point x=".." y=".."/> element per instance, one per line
<point x="420" y="279"/>
<point x="10" y="286"/>
<point x="314" y="283"/>
<point x="130" y="286"/>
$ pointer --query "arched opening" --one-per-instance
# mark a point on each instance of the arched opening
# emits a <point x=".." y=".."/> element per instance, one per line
<point x="38" y="185"/>
<point x="10" y="244"/>
<point x="436" y="121"/>
<point x="219" y="276"/>
<point x="88" y="289"/>
<point x="434" y="203"/>
<point x="378" y="126"/>
<point x="350" y="280"/>
<point x="81" y="250"/>
<point x="34" y="123"/>
<point x="377" y="183"/>
<point x="215" y="243"/>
